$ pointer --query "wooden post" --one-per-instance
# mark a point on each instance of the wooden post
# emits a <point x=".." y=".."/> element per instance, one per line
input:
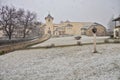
<point x="95" y="50"/>
<point x="94" y="30"/>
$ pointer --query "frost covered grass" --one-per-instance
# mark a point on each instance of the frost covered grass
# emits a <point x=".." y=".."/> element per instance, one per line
<point x="70" y="40"/>
<point x="68" y="63"/>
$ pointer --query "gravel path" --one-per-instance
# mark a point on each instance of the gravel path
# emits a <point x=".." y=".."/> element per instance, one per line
<point x="69" y="63"/>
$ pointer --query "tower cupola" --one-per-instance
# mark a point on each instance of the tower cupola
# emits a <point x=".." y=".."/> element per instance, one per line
<point x="49" y="19"/>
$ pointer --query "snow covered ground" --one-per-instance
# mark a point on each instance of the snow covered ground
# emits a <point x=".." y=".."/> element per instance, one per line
<point x="68" y="63"/>
<point x="69" y="40"/>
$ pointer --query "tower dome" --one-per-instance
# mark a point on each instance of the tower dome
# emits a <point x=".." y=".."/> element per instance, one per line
<point x="49" y="17"/>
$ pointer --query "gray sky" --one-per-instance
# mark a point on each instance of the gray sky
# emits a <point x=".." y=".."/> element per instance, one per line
<point x="73" y="10"/>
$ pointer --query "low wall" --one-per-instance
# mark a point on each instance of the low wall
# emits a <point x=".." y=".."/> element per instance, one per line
<point x="14" y="41"/>
<point x="21" y="45"/>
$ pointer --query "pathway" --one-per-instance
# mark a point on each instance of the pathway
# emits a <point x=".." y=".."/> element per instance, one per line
<point x="69" y="40"/>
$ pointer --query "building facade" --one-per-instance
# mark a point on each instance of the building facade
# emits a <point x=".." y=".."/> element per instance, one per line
<point x="71" y="28"/>
<point x="117" y="27"/>
<point x="87" y="30"/>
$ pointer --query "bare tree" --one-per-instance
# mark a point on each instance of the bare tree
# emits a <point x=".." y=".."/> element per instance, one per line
<point x="8" y="19"/>
<point x="13" y="21"/>
<point x="26" y="20"/>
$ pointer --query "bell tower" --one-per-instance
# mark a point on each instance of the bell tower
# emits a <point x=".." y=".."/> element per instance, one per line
<point x="49" y="24"/>
<point x="49" y="19"/>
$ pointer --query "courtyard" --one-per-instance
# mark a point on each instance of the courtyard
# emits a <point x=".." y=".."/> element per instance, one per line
<point x="68" y="40"/>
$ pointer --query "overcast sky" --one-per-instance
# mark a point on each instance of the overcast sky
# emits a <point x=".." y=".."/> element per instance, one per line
<point x="73" y="10"/>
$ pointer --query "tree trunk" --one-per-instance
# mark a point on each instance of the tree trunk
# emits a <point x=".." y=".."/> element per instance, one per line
<point x="10" y="37"/>
<point x="24" y="32"/>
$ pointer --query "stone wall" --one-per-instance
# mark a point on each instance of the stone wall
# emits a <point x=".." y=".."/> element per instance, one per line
<point x="22" y="45"/>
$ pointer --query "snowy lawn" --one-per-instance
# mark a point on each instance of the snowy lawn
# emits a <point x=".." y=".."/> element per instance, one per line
<point x="69" y="63"/>
<point x="69" y="40"/>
